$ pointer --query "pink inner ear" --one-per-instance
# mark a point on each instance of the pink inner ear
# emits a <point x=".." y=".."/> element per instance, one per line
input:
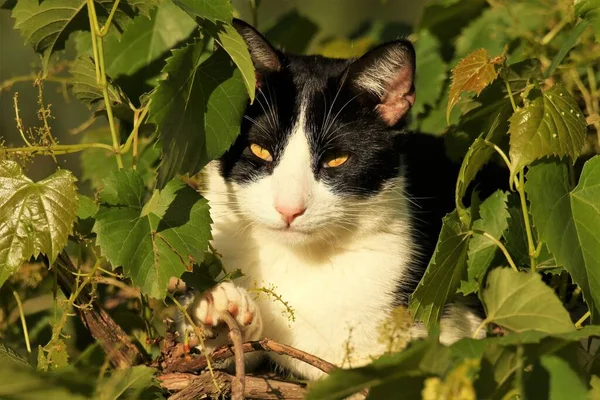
<point x="399" y="97"/>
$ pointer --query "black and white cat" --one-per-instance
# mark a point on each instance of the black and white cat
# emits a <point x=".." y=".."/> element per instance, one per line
<point x="321" y="197"/>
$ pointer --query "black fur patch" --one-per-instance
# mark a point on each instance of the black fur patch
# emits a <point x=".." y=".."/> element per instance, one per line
<point x="337" y="120"/>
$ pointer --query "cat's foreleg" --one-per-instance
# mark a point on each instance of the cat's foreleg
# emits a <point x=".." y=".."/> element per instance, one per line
<point x="206" y="309"/>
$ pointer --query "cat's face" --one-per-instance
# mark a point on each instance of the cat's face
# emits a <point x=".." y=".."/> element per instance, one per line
<point x="320" y="132"/>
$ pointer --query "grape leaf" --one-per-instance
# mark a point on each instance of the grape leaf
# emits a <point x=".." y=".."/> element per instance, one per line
<point x="432" y="71"/>
<point x="152" y="241"/>
<point x="87" y="207"/>
<point x="212" y="10"/>
<point x="144" y="7"/>
<point x="34" y="217"/>
<point x="551" y="124"/>
<point x="215" y="17"/>
<point x="47" y="24"/>
<point x="569" y="222"/>
<point x="590" y="11"/>
<point x="443" y="273"/>
<point x="146" y="39"/>
<point x="198" y="109"/>
<point x="477" y="156"/>
<point x="494" y="220"/>
<point x="97" y="164"/>
<point x="472" y="74"/>
<point x="520" y="302"/>
<point x="88" y="91"/>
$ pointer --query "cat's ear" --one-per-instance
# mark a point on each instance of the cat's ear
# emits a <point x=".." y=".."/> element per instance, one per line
<point x="387" y="75"/>
<point x="264" y="56"/>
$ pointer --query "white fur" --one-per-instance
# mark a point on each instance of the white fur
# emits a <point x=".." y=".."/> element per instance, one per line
<point x="337" y="265"/>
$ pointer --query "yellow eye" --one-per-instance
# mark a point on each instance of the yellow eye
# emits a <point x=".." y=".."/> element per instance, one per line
<point x="261" y="152"/>
<point x="336" y="160"/>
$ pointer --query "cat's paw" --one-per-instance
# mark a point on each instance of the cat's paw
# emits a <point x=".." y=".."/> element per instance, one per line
<point x="207" y="308"/>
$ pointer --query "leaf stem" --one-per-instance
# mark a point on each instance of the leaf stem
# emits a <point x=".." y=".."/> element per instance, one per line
<point x="479" y="328"/>
<point x="99" y="60"/>
<point x="510" y="95"/>
<point x="550" y="35"/>
<point x="500" y="152"/>
<point x="500" y="246"/>
<point x="23" y="322"/>
<point x="91" y="17"/>
<point x="582" y="319"/>
<point x="528" y="231"/>
<point x="58" y="149"/>
<point x="106" y="26"/>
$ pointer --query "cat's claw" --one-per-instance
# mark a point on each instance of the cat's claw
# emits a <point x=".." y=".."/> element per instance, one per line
<point x="207" y="309"/>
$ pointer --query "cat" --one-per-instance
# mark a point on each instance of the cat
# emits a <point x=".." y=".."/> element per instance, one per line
<point x="320" y="199"/>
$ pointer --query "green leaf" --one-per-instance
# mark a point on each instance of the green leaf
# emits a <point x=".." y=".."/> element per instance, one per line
<point x="472" y="74"/>
<point x="198" y="109"/>
<point x="590" y="11"/>
<point x="126" y="384"/>
<point x="293" y="32"/>
<point x="233" y="43"/>
<point x="477" y="156"/>
<point x="569" y="222"/>
<point x="9" y="355"/>
<point x="97" y="164"/>
<point x="87" y="207"/>
<point x="34" y="217"/>
<point x="521" y="301"/>
<point x="152" y="241"/>
<point x="569" y="43"/>
<point x="494" y="221"/>
<point x="20" y="382"/>
<point x="212" y="10"/>
<point x="419" y="359"/>
<point x="443" y="273"/>
<point x="146" y="39"/>
<point x="564" y="382"/>
<point x="47" y="24"/>
<point x="88" y="91"/>
<point x="551" y="124"/>
<point x="432" y="71"/>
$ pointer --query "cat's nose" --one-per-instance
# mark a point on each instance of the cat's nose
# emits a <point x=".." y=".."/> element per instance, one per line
<point x="290" y="213"/>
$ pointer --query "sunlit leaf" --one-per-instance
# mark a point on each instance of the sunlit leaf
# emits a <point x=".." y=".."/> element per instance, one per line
<point x="520" y="301"/>
<point x="35" y="218"/>
<point x="126" y="384"/>
<point x="472" y="74"/>
<point x="212" y="10"/>
<point x="152" y="241"/>
<point x="569" y="222"/>
<point x="551" y="124"/>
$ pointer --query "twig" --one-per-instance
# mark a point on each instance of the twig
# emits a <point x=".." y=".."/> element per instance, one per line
<point x="114" y="340"/>
<point x="198" y="363"/>
<point x="239" y="383"/>
<point x="192" y="386"/>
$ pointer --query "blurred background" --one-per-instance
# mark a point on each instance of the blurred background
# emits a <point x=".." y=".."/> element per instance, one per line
<point x="334" y="27"/>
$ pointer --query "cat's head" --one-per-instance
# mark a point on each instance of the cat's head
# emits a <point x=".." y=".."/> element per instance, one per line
<point x="318" y="147"/>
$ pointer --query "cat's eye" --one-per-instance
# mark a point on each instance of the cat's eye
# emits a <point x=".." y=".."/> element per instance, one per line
<point x="335" y="160"/>
<point x="261" y="152"/>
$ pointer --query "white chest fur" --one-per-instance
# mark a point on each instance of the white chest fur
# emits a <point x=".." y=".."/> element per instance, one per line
<point x="339" y="290"/>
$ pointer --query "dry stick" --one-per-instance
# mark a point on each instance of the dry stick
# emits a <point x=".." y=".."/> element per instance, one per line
<point x="239" y="383"/>
<point x="190" y="386"/>
<point x="198" y="363"/>
<point x="113" y="339"/>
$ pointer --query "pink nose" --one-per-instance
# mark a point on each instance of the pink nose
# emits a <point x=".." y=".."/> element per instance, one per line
<point x="290" y="213"/>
